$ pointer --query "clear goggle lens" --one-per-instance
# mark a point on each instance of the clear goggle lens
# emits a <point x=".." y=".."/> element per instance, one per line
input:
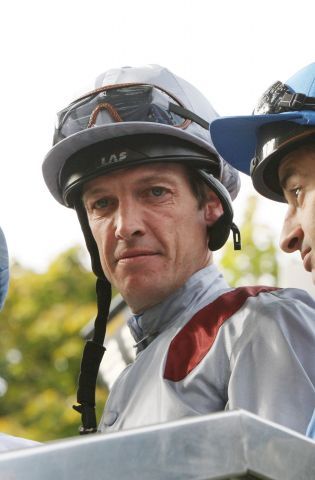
<point x="125" y="103"/>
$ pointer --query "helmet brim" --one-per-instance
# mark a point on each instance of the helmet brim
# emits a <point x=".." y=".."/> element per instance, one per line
<point x="62" y="151"/>
<point x="235" y="138"/>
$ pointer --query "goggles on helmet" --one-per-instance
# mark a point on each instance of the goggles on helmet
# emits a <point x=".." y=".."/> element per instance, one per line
<point x="124" y="103"/>
<point x="279" y="98"/>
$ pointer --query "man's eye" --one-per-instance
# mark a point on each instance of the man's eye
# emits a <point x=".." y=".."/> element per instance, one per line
<point x="101" y="203"/>
<point x="157" y="191"/>
<point x="294" y="195"/>
<point x="297" y="191"/>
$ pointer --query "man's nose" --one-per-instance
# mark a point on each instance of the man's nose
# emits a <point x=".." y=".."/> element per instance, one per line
<point x="129" y="221"/>
<point x="292" y="235"/>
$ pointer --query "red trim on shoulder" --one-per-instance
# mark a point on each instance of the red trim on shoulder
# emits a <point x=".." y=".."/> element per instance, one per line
<point x="194" y="341"/>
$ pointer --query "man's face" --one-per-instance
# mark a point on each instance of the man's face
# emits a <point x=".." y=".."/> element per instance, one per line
<point x="150" y="232"/>
<point x="297" y="177"/>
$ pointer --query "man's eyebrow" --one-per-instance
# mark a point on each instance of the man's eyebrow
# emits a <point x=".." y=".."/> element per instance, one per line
<point x="284" y="179"/>
<point x="93" y="191"/>
<point x="150" y="178"/>
<point x="162" y="177"/>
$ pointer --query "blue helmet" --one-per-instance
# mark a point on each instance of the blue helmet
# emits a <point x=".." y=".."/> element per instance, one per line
<point x="283" y="119"/>
<point x="4" y="269"/>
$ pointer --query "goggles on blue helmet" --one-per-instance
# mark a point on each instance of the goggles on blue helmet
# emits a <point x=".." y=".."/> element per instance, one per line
<point x="279" y="98"/>
<point x="283" y="120"/>
<point x="124" y="103"/>
<point x="276" y="139"/>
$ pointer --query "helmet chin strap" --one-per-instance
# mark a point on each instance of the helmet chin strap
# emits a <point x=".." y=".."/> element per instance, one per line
<point x="94" y="349"/>
<point x="91" y="360"/>
<point x="220" y="230"/>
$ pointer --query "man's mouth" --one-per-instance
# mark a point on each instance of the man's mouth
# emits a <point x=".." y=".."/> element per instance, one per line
<point x="133" y="255"/>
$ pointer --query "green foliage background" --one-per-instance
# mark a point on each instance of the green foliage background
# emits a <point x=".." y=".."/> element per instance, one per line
<point x="40" y="340"/>
<point x="41" y="347"/>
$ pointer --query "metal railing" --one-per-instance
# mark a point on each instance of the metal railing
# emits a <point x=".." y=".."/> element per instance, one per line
<point x="229" y="445"/>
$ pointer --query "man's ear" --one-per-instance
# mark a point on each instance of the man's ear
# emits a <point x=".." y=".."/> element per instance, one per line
<point x="213" y="208"/>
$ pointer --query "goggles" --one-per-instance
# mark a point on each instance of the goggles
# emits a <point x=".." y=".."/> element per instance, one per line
<point x="279" y="98"/>
<point x="123" y="103"/>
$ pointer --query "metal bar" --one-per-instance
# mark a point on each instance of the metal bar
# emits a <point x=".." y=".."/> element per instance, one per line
<point x="219" y="446"/>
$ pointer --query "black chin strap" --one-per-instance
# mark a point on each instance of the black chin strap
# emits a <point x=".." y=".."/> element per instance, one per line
<point x="94" y="349"/>
<point x="92" y="357"/>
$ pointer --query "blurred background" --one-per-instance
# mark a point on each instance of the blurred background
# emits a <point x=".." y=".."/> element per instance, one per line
<point x="51" y="52"/>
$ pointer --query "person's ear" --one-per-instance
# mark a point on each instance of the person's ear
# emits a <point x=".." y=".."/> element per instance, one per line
<point x="212" y="209"/>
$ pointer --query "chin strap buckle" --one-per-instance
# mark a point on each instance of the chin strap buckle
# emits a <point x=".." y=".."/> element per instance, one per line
<point x="88" y="418"/>
<point x="236" y="237"/>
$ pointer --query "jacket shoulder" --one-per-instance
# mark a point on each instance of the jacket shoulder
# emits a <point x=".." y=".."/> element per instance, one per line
<point x="192" y="343"/>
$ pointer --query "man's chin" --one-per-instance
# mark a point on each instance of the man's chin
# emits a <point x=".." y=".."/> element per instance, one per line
<point x="141" y="295"/>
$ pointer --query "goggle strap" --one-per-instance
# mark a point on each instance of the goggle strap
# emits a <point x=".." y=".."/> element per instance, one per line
<point x="297" y="101"/>
<point x="188" y="114"/>
<point x="104" y="106"/>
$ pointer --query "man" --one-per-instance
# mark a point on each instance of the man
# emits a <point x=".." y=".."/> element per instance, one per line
<point x="276" y="146"/>
<point x="134" y="159"/>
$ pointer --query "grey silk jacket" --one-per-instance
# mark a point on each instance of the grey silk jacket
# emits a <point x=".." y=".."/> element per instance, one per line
<point x="209" y="348"/>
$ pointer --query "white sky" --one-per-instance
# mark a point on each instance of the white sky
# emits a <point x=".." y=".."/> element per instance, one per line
<point x="231" y="50"/>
